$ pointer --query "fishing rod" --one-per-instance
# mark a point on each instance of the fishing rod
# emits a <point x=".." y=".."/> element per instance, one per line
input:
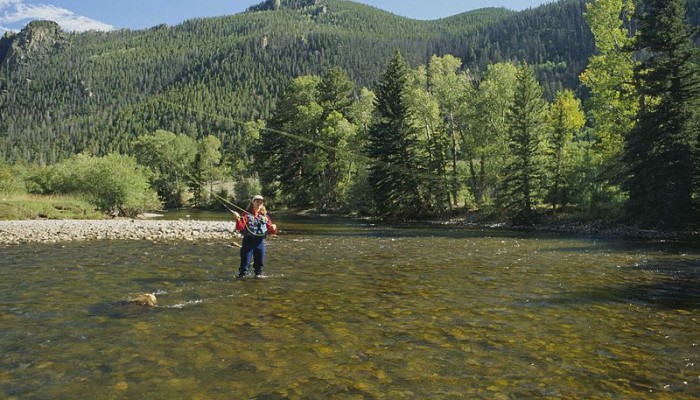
<point x="224" y="202"/>
<point x="420" y="172"/>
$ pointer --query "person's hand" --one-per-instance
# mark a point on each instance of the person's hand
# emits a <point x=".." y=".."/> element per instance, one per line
<point x="236" y="214"/>
<point x="274" y="228"/>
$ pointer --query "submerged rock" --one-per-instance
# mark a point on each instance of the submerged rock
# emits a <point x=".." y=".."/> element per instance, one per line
<point x="144" y="300"/>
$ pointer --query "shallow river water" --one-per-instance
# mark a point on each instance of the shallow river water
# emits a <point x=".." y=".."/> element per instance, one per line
<point x="351" y="310"/>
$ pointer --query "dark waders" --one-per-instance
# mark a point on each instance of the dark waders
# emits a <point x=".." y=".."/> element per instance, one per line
<point x="252" y="247"/>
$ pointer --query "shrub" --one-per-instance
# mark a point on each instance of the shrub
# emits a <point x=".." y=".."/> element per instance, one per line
<point x="12" y="179"/>
<point x="113" y="183"/>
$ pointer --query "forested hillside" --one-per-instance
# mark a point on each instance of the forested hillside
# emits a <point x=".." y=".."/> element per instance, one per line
<point x="63" y="93"/>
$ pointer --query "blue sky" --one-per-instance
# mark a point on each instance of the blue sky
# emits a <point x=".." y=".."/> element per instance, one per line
<point x="81" y="15"/>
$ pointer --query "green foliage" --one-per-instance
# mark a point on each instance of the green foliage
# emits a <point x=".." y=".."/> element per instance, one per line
<point x="305" y="150"/>
<point x="613" y="101"/>
<point x="397" y="174"/>
<point x="12" y="179"/>
<point x="207" y="170"/>
<point x="113" y="183"/>
<point x="169" y="157"/>
<point x="663" y="149"/>
<point x="25" y="206"/>
<point x="484" y="129"/>
<point x="245" y="190"/>
<point x="524" y="170"/>
<point x="567" y="119"/>
<point x="450" y="87"/>
<point x="99" y="91"/>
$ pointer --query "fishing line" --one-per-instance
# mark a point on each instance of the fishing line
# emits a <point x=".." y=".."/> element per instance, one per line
<point x="224" y="203"/>
<point x="425" y="175"/>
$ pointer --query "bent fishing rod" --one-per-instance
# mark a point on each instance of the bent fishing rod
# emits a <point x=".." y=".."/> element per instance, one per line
<point x="225" y="203"/>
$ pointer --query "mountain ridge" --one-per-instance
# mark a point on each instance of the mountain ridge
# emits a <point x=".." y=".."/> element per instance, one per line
<point x="101" y="90"/>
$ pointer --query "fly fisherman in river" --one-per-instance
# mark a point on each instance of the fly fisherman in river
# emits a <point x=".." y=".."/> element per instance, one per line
<point x="255" y="226"/>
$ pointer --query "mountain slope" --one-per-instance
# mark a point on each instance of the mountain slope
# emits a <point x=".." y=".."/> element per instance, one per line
<point x="97" y="91"/>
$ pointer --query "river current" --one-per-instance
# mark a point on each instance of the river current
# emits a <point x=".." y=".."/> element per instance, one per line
<point x="352" y="310"/>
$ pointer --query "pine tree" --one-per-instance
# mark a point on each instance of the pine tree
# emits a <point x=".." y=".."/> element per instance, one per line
<point x="662" y="149"/>
<point x="391" y="147"/>
<point x="335" y="97"/>
<point x="524" y="169"/>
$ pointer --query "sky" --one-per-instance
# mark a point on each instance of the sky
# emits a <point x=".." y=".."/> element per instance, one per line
<point x="105" y="15"/>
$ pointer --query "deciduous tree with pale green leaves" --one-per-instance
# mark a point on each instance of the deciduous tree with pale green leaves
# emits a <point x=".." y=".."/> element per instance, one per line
<point x="610" y="75"/>
<point x="484" y="128"/>
<point x="613" y="103"/>
<point x="207" y="169"/>
<point x="566" y="119"/>
<point x="433" y="139"/>
<point x="170" y="157"/>
<point x="305" y="150"/>
<point x="451" y="87"/>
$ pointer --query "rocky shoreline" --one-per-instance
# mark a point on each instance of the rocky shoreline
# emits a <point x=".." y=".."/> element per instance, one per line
<point x="53" y="231"/>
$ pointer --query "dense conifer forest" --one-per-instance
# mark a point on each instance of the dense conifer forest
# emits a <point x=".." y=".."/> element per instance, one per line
<point x="63" y="93"/>
<point x="294" y="97"/>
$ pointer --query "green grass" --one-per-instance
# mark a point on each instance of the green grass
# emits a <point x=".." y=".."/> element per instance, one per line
<point x="26" y="206"/>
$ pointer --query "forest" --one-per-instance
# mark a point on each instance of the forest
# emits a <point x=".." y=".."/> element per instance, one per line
<point x="586" y="110"/>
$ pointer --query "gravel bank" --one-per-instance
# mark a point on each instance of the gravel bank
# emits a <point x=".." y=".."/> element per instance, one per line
<point x="52" y="231"/>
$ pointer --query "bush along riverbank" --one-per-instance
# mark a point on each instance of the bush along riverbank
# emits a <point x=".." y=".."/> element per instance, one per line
<point x="53" y="231"/>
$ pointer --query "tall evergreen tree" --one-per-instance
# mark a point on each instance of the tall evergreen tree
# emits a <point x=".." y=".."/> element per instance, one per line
<point x="527" y="126"/>
<point x="662" y="149"/>
<point x="286" y="149"/>
<point x="335" y="97"/>
<point x="392" y="147"/>
<point x="335" y="91"/>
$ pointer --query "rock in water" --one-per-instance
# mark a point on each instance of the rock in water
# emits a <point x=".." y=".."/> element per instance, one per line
<point x="145" y="300"/>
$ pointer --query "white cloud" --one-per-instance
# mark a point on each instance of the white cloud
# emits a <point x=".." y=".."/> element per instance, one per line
<point x="13" y="12"/>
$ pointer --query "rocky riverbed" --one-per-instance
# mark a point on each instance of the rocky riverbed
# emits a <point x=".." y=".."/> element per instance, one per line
<point x="52" y="231"/>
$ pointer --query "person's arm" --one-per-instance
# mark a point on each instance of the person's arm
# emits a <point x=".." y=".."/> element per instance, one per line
<point x="240" y="221"/>
<point x="271" y="228"/>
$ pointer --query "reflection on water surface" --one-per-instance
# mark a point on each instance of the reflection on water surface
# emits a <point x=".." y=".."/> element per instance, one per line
<point x="350" y="310"/>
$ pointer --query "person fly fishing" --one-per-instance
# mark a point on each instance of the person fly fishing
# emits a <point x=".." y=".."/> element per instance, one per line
<point x="255" y="226"/>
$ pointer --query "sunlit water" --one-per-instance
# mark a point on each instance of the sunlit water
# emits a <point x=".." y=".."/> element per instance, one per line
<point x="354" y="311"/>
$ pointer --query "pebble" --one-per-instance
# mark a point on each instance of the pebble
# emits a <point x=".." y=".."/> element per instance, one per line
<point x="52" y="231"/>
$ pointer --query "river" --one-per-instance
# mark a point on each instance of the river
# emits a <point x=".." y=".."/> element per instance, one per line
<point x="353" y="310"/>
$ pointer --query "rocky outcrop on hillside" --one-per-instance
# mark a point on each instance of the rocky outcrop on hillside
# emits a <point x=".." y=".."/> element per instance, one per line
<point x="37" y="40"/>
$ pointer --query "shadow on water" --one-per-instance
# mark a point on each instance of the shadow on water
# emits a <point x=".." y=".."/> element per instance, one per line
<point x="671" y="247"/>
<point x="676" y="286"/>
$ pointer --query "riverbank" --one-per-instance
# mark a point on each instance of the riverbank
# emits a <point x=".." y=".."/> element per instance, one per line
<point x="53" y="231"/>
<point x="581" y="228"/>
